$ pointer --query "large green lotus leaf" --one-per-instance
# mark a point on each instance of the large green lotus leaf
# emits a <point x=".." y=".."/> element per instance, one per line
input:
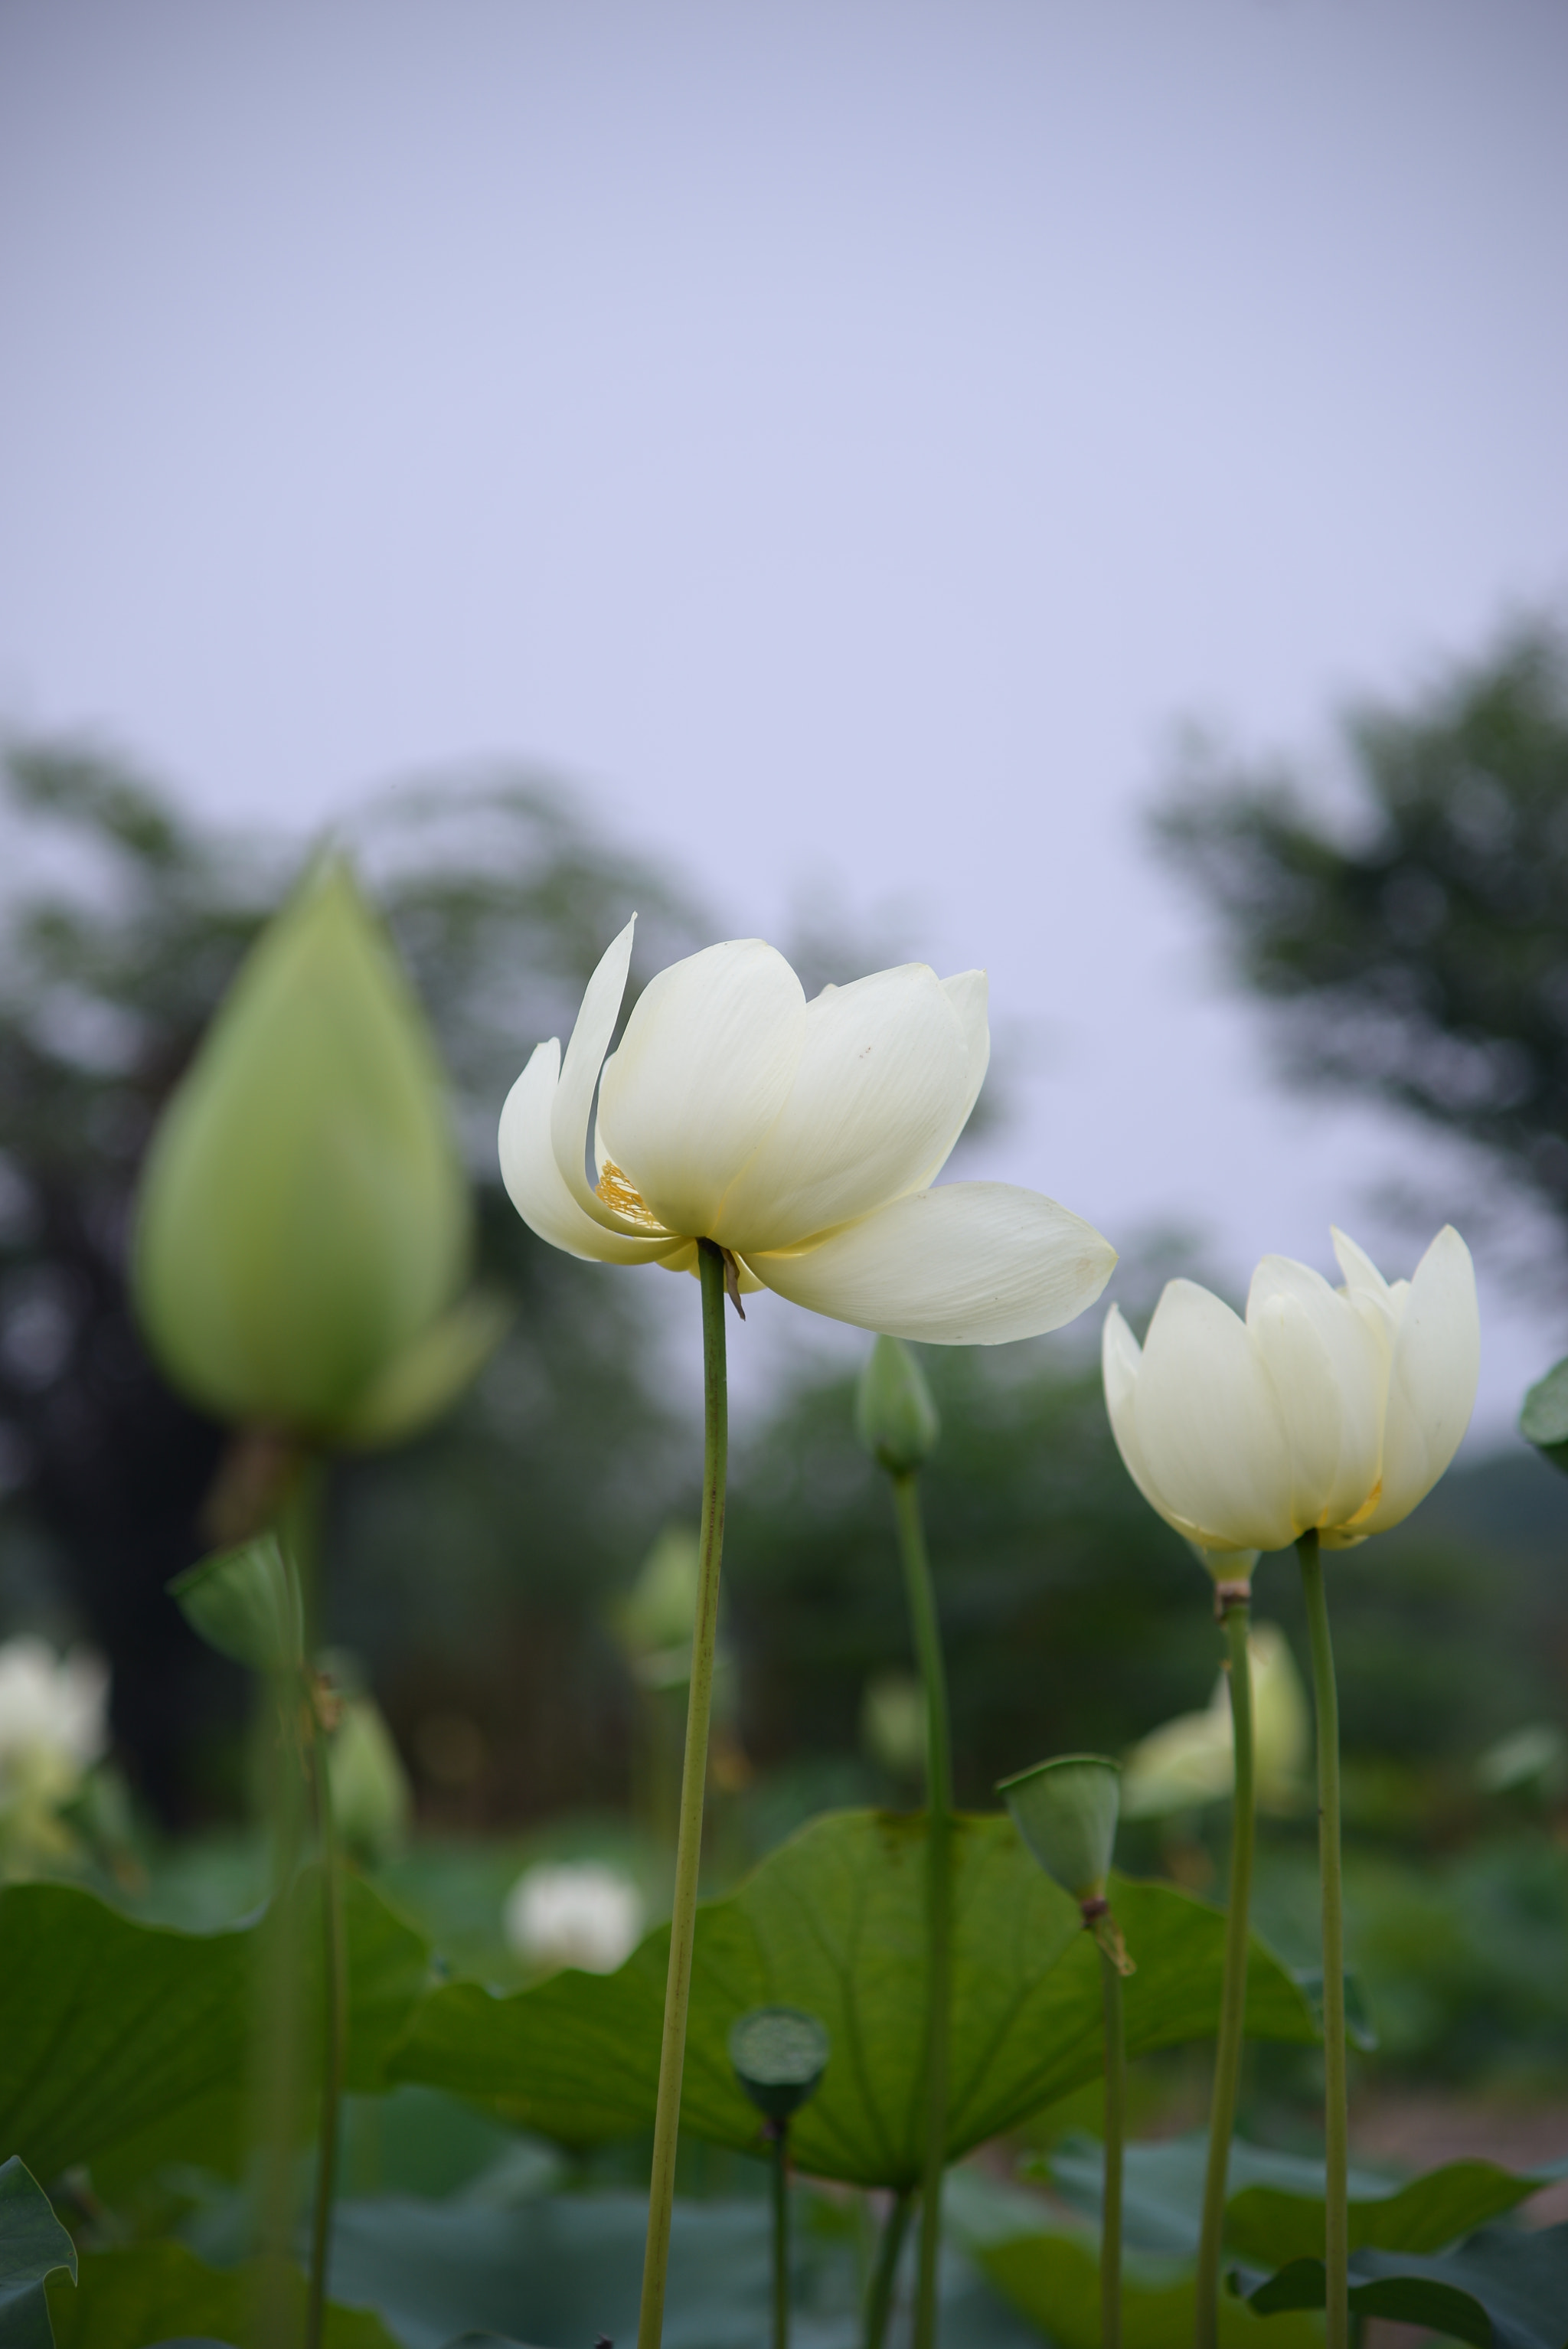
<point x="34" y="2246"/>
<point x="1049" y="2271"/>
<point x="1506" y="2288"/>
<point x="834" y="1922"/>
<point x="1274" y="2210"/>
<point x="158" y="2291"/>
<point x="128" y="2042"/>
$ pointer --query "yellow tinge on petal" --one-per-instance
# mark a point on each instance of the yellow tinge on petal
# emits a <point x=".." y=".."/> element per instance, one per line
<point x="303" y="1219"/>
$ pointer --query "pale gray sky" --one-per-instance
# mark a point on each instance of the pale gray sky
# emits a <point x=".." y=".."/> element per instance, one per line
<point x="847" y="433"/>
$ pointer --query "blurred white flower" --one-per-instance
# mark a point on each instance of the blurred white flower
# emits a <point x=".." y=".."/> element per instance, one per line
<point x="54" y="1720"/>
<point x="802" y="1138"/>
<point x="1192" y="1760"/>
<point x="575" y="1912"/>
<point x="1333" y="1410"/>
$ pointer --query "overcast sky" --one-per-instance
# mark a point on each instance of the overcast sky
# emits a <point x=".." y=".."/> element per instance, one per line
<point x="846" y="437"/>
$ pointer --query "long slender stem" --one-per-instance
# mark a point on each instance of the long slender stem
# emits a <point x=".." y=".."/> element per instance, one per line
<point x="1233" y="1991"/>
<point x="275" y="2086"/>
<point x="1335" y="2110"/>
<point x="1115" y="2127"/>
<point x="334" y="2033"/>
<point x="781" y="2236"/>
<point x="938" y="1888"/>
<point x="694" y="1776"/>
<point x="885" y="2275"/>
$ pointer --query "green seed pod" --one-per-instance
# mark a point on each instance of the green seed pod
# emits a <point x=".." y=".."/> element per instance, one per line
<point x="1066" y="1811"/>
<point x="303" y="1220"/>
<point x="894" y="1415"/>
<point x="243" y="1602"/>
<point x="1544" y="1422"/>
<point x="779" y="2054"/>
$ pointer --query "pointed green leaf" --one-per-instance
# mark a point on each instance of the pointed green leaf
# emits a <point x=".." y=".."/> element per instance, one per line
<point x="834" y="1922"/>
<point x="1506" y="2288"/>
<point x="34" y="2246"/>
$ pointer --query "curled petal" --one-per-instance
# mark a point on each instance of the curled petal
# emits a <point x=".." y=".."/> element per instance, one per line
<point x="533" y="1180"/>
<point x="573" y="1098"/>
<point x="1432" y="1384"/>
<point x="884" y="1073"/>
<point x="699" y="1077"/>
<point x="1213" y="1437"/>
<point x="969" y="1264"/>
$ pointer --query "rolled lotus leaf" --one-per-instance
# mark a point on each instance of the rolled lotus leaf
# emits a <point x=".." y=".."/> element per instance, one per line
<point x="779" y="2054"/>
<point x="1065" y="1811"/>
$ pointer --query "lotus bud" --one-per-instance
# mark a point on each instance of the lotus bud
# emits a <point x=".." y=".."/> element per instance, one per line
<point x="1190" y="1761"/>
<point x="653" y="1624"/>
<point x="304" y="1221"/>
<point x="894" y="1722"/>
<point x="1544" y="1422"/>
<point x="573" y="1912"/>
<point x="894" y="1415"/>
<point x="370" y="1796"/>
<point x="1066" y="1812"/>
<point x="779" y="2054"/>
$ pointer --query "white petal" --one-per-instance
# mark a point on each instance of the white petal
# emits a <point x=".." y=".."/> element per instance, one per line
<point x="1328" y="1371"/>
<point x="1121" y="1359"/>
<point x="1209" y="1426"/>
<point x="969" y="993"/>
<point x="533" y="1180"/>
<point x="596" y="1018"/>
<point x="700" y="1075"/>
<point x="1378" y="1304"/>
<point x="1432" y="1383"/>
<point x="883" y="1077"/>
<point x="972" y="1264"/>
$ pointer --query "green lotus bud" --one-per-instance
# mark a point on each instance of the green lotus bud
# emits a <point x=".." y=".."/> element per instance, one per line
<point x="245" y="1603"/>
<point x="1065" y="1811"/>
<point x="779" y="2054"/>
<point x="303" y="1220"/>
<point x="1544" y="1422"/>
<point x="894" y="1414"/>
<point x="654" y="1621"/>
<point x="370" y="1798"/>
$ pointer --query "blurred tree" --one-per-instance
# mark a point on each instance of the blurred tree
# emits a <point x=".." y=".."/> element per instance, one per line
<point x="1422" y="954"/>
<point x="460" y="1565"/>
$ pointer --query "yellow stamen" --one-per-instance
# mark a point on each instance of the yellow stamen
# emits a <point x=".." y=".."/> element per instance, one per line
<point x="618" y="1191"/>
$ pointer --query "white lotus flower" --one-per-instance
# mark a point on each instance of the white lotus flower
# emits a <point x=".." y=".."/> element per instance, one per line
<point x="54" y="1720"/>
<point x="1336" y="1409"/>
<point x="802" y="1138"/>
<point x="1192" y="1760"/>
<point x="574" y="1913"/>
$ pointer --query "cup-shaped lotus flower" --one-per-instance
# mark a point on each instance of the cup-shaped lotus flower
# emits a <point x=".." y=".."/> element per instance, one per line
<point x="1192" y="1760"/>
<point x="304" y="1222"/>
<point x="1326" y="1410"/>
<point x="803" y="1138"/>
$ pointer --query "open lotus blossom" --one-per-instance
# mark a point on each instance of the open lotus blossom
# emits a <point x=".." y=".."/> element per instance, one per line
<point x="802" y="1138"/>
<point x="1327" y="1408"/>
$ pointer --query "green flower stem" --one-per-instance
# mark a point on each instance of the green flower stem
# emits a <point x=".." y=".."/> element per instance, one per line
<point x="1335" y="2114"/>
<point x="938" y="1888"/>
<point x="1235" y="1615"/>
<point x="779" y="2131"/>
<point x="694" y="1776"/>
<point x="1115" y="2123"/>
<point x="335" y="2032"/>
<point x="878" y="2299"/>
<point x="275" y="2086"/>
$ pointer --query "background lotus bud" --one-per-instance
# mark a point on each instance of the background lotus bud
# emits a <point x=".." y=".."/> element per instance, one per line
<point x="574" y="1913"/>
<point x="304" y="1221"/>
<point x="371" y="1803"/>
<point x="653" y="1624"/>
<point x="894" y="1722"/>
<point x="894" y="1414"/>
<point x="1066" y="1812"/>
<point x="1190" y="1761"/>
<point x="1543" y="1421"/>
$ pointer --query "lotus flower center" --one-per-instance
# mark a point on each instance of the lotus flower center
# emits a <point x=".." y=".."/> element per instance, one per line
<point x="618" y="1191"/>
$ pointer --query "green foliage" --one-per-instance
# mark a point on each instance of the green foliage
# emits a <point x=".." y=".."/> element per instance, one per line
<point x="1421" y="958"/>
<point x="833" y="1922"/>
<point x="124" y="2045"/>
<point x="34" y="2246"/>
<point x="1502" y="2290"/>
<point x="160" y="2291"/>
